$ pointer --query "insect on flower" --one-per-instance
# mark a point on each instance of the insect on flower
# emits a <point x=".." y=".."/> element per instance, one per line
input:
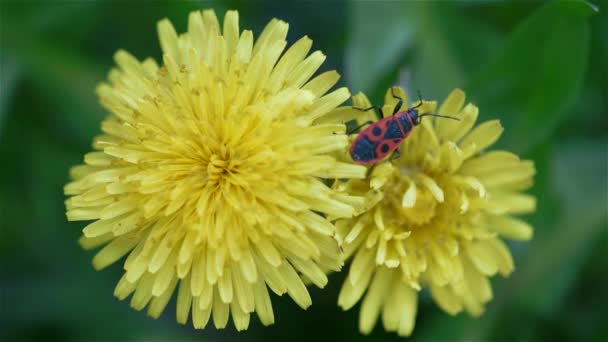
<point x="386" y="135"/>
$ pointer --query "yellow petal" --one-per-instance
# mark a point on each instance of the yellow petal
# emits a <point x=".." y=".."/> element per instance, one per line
<point x="200" y="316"/>
<point x="184" y="299"/>
<point x="295" y="288"/>
<point x="263" y="307"/>
<point x="503" y="257"/>
<point x="393" y="96"/>
<point x="446" y="300"/>
<point x="294" y="55"/>
<point x="168" y="39"/>
<point x="481" y="256"/>
<point x="451" y="106"/>
<point x="124" y="288"/>
<point x="508" y="175"/>
<point x="374" y="300"/>
<point x="304" y="70"/>
<point x="489" y="162"/>
<point x="231" y="30"/>
<point x="114" y="251"/>
<point x="240" y="318"/>
<point x="351" y="293"/>
<point x="220" y="311"/>
<point x="322" y="83"/>
<point x="454" y="130"/>
<point x="326" y="103"/>
<point x="478" y="285"/>
<point x="430" y="184"/>
<point x="143" y="292"/>
<point x="483" y="135"/>
<point x="159" y="303"/>
<point x="409" y="197"/>
<point x="361" y="268"/>
<point x="510" y="227"/>
<point x="224" y="286"/>
<point x="513" y="203"/>
<point x="408" y="300"/>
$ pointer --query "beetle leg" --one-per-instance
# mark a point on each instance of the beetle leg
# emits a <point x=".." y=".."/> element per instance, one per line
<point x="399" y="104"/>
<point x="370" y="170"/>
<point x="358" y="127"/>
<point x="419" y="100"/>
<point x="395" y="155"/>
<point x="377" y="108"/>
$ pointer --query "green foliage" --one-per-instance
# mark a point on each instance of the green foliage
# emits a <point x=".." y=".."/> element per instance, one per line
<point x="537" y="76"/>
<point x="540" y="68"/>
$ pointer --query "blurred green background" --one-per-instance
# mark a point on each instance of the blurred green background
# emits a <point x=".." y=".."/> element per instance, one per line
<point x="542" y="68"/>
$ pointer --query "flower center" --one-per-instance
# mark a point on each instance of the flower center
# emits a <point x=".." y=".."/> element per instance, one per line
<point x="422" y="212"/>
<point x="424" y="207"/>
<point x="220" y="167"/>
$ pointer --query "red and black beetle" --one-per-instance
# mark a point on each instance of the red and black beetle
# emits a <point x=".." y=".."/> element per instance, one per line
<point x="384" y="136"/>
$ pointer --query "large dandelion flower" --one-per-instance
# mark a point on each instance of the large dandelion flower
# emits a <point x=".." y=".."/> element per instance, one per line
<point x="207" y="173"/>
<point x="434" y="219"/>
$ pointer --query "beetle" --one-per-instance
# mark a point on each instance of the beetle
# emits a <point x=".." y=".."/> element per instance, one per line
<point x="384" y="136"/>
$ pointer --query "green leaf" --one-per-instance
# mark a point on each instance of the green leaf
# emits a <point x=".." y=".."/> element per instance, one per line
<point x="579" y="179"/>
<point x="535" y="79"/>
<point x="67" y="82"/>
<point x="12" y="73"/>
<point x="380" y="34"/>
<point x="64" y="80"/>
<point x="427" y="46"/>
<point x="450" y="47"/>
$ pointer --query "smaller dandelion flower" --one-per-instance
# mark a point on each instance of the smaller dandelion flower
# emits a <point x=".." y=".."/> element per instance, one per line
<point x="208" y="173"/>
<point x="434" y="218"/>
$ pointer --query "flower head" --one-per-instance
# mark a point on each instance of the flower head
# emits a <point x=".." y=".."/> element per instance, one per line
<point x="207" y="173"/>
<point x="434" y="218"/>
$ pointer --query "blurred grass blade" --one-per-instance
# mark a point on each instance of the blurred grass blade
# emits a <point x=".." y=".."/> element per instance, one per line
<point x="11" y="75"/>
<point x="380" y="33"/>
<point x="533" y="82"/>
<point x="64" y="79"/>
<point x="579" y="170"/>
<point x="446" y="46"/>
<point x="450" y="47"/>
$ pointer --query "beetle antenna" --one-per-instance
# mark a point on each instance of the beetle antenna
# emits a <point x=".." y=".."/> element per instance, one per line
<point x="437" y="115"/>
<point x="419" y="99"/>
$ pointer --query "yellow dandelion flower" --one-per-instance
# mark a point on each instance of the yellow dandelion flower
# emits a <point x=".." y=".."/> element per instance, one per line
<point x="207" y="173"/>
<point x="434" y="218"/>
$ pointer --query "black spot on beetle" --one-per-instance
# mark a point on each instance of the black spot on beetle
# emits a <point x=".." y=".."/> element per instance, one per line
<point x="376" y="131"/>
<point x="364" y="149"/>
<point x="392" y="131"/>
